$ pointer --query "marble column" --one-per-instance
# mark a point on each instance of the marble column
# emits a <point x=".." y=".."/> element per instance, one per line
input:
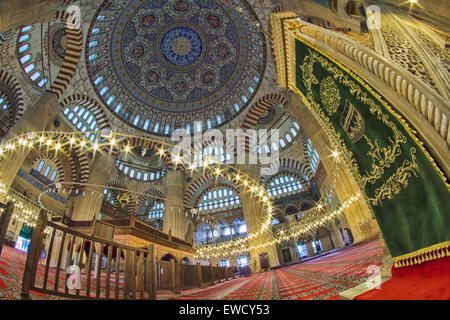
<point x="254" y="215"/>
<point x="338" y="241"/>
<point x="35" y="118"/>
<point x="326" y="243"/>
<point x="309" y="249"/>
<point x="18" y="13"/>
<point x="87" y="205"/>
<point x="175" y="219"/>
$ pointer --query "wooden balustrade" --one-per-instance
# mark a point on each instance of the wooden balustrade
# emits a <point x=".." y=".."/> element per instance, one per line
<point x="83" y="266"/>
<point x="101" y="268"/>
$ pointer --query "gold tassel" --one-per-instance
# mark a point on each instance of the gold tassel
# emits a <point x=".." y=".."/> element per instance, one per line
<point x="434" y="252"/>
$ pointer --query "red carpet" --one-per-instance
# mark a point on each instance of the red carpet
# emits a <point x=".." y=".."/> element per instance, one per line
<point x="426" y="281"/>
<point x="327" y="276"/>
<point x="12" y="263"/>
<point x="321" y="278"/>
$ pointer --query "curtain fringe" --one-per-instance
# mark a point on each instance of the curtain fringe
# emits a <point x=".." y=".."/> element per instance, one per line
<point x="434" y="252"/>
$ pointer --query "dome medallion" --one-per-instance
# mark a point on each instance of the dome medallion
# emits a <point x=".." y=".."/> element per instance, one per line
<point x="161" y="59"/>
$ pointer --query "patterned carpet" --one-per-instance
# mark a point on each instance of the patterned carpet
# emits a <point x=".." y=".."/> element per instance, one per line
<point x="322" y="278"/>
<point x="326" y="277"/>
<point x="12" y="264"/>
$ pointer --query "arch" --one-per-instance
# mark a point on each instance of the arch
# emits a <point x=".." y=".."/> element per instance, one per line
<point x="83" y="165"/>
<point x="255" y="112"/>
<point x="195" y="185"/>
<point x="259" y="107"/>
<point x="306" y="205"/>
<point x="153" y="145"/>
<point x="77" y="157"/>
<point x="91" y="105"/>
<point x="55" y="159"/>
<point x="168" y="257"/>
<point x="119" y="184"/>
<point x="291" y="210"/>
<point x="292" y="166"/>
<point x="223" y="201"/>
<point x="186" y="260"/>
<point x="151" y="191"/>
<point x="17" y="92"/>
<point x="72" y="57"/>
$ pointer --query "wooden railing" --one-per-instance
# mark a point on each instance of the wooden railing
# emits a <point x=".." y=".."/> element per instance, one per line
<point x="97" y="268"/>
<point x="173" y="276"/>
<point x="81" y="266"/>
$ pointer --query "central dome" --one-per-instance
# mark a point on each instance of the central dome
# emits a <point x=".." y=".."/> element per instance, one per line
<point x="181" y="46"/>
<point x="175" y="57"/>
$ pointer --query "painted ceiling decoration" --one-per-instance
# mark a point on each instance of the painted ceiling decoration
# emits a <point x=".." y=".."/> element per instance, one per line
<point x="163" y="64"/>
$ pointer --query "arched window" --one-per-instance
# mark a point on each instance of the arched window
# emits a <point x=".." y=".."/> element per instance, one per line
<point x="283" y="184"/>
<point x="243" y="228"/>
<point x="26" y="58"/>
<point x="210" y="155"/>
<point x="54" y="174"/>
<point x="47" y="171"/>
<point x="157" y="210"/>
<point x="40" y="165"/>
<point x="83" y="120"/>
<point x="313" y="156"/>
<point x="222" y="198"/>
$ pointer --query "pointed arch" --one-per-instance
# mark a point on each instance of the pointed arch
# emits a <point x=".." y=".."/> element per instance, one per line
<point x="17" y="92"/>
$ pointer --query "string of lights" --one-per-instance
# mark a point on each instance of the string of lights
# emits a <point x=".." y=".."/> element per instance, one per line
<point x="58" y="141"/>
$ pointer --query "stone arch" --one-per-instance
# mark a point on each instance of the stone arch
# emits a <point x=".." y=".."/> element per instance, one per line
<point x="149" y="193"/>
<point x="17" y="93"/>
<point x="259" y="107"/>
<point x="53" y="157"/>
<point x="168" y="257"/>
<point x="83" y="164"/>
<point x="292" y="166"/>
<point x="291" y="210"/>
<point x="325" y="236"/>
<point x="77" y="157"/>
<point x="118" y="184"/>
<point x="72" y="57"/>
<point x="306" y="205"/>
<point x="197" y="183"/>
<point x="90" y="104"/>
<point x="147" y="144"/>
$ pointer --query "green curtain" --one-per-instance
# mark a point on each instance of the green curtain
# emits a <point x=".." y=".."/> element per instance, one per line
<point x="408" y="194"/>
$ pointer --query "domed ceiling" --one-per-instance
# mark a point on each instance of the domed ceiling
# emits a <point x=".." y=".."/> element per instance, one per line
<point x="160" y="65"/>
